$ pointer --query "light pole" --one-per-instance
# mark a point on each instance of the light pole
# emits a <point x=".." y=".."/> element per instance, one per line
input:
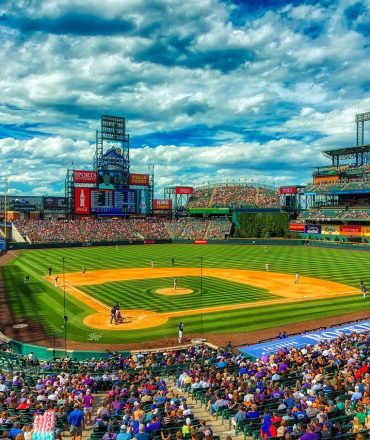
<point x="65" y="317"/>
<point x="201" y="293"/>
<point x="5" y="210"/>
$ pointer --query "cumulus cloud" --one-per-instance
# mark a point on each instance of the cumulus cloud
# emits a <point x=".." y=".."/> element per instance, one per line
<point x="210" y="89"/>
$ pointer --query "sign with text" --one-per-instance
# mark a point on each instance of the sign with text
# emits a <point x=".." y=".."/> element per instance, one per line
<point x="81" y="176"/>
<point x="162" y="204"/>
<point x="350" y="229"/>
<point x="325" y="179"/>
<point x="82" y="200"/>
<point x="288" y="190"/>
<point x="312" y="229"/>
<point x="139" y="179"/>
<point x="297" y="227"/>
<point x="184" y="190"/>
<point x="311" y="338"/>
<point x="330" y="229"/>
<point x="55" y="203"/>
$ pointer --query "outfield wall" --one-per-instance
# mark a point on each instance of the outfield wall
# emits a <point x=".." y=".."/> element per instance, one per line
<point x="45" y="353"/>
<point x="231" y="241"/>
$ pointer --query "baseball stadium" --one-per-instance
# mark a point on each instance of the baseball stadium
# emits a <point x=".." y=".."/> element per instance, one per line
<point x="229" y="309"/>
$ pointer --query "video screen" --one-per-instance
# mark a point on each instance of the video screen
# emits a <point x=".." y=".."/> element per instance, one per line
<point x="113" y="202"/>
<point x="111" y="180"/>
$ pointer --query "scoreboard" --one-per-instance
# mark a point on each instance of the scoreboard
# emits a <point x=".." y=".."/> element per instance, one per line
<point x="113" y="202"/>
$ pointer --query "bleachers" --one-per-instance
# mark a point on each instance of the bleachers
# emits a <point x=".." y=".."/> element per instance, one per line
<point x="234" y="196"/>
<point x="44" y="231"/>
<point x="274" y="388"/>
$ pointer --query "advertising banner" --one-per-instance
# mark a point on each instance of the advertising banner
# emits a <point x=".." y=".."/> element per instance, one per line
<point x="322" y="179"/>
<point x="365" y="231"/>
<point x="297" y="227"/>
<point x="312" y="229"/>
<point x="184" y="190"/>
<point x="55" y="203"/>
<point x="2" y="244"/>
<point x="200" y="241"/>
<point x="330" y="229"/>
<point x="288" y="190"/>
<point x="82" y="200"/>
<point x="162" y="204"/>
<point x="139" y="179"/>
<point x="81" y="176"/>
<point x="311" y="338"/>
<point x="350" y="230"/>
<point x="209" y="210"/>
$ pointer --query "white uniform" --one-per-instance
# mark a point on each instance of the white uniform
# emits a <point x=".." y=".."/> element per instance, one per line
<point x="181" y="329"/>
<point x="296" y="281"/>
<point x="267" y="267"/>
<point x="174" y="283"/>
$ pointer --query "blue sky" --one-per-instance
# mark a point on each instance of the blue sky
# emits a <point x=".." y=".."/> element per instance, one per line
<point x="212" y="90"/>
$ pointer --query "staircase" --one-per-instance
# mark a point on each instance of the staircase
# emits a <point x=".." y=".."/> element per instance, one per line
<point x="210" y="203"/>
<point x="219" y="427"/>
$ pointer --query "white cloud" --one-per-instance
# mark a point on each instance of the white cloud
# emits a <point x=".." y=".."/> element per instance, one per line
<point x="233" y="96"/>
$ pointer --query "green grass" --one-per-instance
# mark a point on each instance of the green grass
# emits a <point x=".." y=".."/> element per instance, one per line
<point x="41" y="301"/>
<point x="141" y="294"/>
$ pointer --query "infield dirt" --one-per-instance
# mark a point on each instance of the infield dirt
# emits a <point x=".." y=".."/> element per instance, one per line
<point x="278" y="284"/>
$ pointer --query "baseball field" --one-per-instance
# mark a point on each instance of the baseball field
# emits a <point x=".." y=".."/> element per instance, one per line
<point x="211" y="288"/>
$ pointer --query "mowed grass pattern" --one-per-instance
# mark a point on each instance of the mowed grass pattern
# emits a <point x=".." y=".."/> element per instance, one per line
<point x="141" y="294"/>
<point x="40" y="300"/>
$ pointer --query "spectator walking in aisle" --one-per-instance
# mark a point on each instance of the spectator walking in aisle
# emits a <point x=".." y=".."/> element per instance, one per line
<point x="76" y="420"/>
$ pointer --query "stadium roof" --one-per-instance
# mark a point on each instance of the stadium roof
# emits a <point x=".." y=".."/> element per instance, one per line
<point x="347" y="153"/>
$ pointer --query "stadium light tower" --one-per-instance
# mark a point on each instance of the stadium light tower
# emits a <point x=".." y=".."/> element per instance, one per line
<point x="5" y="181"/>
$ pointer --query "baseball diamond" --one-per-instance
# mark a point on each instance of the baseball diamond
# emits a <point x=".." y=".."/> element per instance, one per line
<point x="231" y="292"/>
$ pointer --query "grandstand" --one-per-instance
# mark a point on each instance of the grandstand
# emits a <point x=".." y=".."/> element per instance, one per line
<point x="336" y="204"/>
<point x="194" y="393"/>
<point x="234" y="195"/>
<point x="115" y="230"/>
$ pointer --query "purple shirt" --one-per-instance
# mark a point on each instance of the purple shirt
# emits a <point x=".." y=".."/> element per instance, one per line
<point x="310" y="436"/>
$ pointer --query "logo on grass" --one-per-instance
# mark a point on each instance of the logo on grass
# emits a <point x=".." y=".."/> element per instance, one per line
<point x="20" y="325"/>
<point x="95" y="337"/>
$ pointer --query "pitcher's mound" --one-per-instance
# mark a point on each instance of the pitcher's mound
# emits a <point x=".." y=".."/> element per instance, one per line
<point x="171" y="291"/>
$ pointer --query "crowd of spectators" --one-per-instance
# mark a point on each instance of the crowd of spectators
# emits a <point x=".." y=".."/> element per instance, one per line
<point x="329" y="214"/>
<point x="339" y="186"/>
<point x="310" y="393"/>
<point x="87" y="230"/>
<point x="200" y="198"/>
<point x="319" y="391"/>
<point x="117" y="394"/>
<point x="234" y="196"/>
